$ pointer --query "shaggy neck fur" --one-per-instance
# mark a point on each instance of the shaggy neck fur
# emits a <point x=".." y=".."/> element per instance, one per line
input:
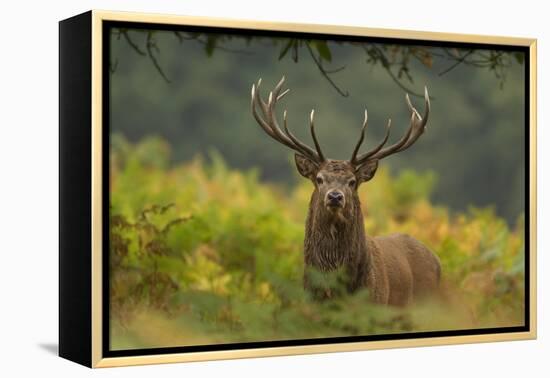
<point x="334" y="241"/>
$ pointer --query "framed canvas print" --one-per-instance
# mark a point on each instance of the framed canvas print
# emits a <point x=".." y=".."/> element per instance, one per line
<point x="235" y="188"/>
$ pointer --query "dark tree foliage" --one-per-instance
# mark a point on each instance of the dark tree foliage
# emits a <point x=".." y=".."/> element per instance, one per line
<point x="395" y="59"/>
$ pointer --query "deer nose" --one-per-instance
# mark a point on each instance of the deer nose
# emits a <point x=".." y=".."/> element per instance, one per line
<point x="335" y="196"/>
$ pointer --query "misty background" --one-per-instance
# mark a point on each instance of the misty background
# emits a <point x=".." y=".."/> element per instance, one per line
<point x="193" y="90"/>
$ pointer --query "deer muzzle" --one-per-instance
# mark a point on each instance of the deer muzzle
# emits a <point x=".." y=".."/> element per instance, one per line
<point x="335" y="200"/>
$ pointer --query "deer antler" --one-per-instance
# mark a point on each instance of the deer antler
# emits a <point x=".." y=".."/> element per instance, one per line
<point x="269" y="123"/>
<point x="416" y="128"/>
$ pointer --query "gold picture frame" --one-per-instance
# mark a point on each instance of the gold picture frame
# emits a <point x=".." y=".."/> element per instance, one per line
<point x="86" y="32"/>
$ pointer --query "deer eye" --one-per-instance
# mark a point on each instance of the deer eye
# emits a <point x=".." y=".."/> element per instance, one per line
<point x="352" y="183"/>
<point x="319" y="180"/>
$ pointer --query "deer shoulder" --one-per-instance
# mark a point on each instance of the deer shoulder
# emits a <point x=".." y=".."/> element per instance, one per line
<point x="412" y="270"/>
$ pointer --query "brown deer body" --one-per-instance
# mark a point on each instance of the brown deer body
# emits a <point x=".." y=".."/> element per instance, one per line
<point x="395" y="268"/>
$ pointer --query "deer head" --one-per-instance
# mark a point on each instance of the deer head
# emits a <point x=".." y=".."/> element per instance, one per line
<point x="336" y="181"/>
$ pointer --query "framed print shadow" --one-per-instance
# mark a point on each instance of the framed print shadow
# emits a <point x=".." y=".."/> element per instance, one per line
<point x="225" y="193"/>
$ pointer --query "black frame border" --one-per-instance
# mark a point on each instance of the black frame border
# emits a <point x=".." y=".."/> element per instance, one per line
<point x="75" y="197"/>
<point x="106" y="352"/>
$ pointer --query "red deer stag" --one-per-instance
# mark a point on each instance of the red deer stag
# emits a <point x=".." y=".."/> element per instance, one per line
<point x="395" y="268"/>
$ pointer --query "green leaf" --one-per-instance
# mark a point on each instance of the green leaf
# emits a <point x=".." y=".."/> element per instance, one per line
<point x="519" y="57"/>
<point x="210" y="45"/>
<point x="323" y="50"/>
<point x="295" y="52"/>
<point x="285" y="49"/>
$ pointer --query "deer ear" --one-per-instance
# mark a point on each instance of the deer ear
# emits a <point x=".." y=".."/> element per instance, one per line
<point x="306" y="167"/>
<point x="366" y="171"/>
